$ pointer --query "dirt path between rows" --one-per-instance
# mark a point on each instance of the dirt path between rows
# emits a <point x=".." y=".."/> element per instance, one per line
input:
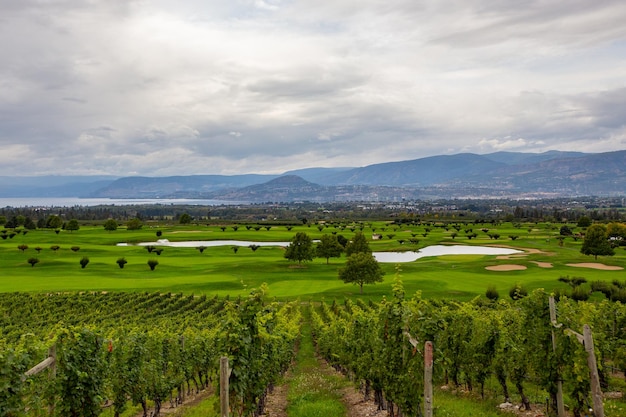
<point x="357" y="406"/>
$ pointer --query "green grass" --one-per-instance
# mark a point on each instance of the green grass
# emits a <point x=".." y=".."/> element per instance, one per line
<point x="312" y="391"/>
<point x="449" y="405"/>
<point x="221" y="271"/>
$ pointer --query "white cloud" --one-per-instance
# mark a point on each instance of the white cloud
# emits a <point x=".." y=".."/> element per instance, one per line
<point x="160" y="86"/>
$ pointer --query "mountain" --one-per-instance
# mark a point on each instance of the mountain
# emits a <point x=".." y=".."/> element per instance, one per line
<point x="317" y="175"/>
<point x="520" y="158"/>
<point x="418" y="172"/>
<point x="53" y="185"/>
<point x="192" y="186"/>
<point x="465" y="175"/>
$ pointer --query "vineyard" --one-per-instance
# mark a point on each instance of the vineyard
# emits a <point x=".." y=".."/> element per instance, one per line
<point x="121" y="349"/>
<point x="476" y="344"/>
<point x="116" y="350"/>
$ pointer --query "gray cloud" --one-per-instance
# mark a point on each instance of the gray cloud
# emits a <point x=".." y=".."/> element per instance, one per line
<point x="188" y="87"/>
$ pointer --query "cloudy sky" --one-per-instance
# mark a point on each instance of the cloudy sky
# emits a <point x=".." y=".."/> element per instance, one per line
<point x="168" y="87"/>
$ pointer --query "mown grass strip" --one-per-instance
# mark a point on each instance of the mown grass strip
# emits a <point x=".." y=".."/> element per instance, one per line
<point x="313" y="392"/>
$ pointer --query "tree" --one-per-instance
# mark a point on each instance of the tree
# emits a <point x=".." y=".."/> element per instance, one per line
<point x="22" y="247"/>
<point x="110" y="225"/>
<point x="33" y="261"/>
<point x="492" y="293"/>
<point x="596" y="242"/>
<point x="517" y="292"/>
<point x="328" y="247"/>
<point x="358" y="244"/>
<point x="72" y="225"/>
<point x="185" y="218"/>
<point x="134" y="224"/>
<point x="361" y="268"/>
<point x="29" y="224"/>
<point x="84" y="261"/>
<point x="121" y="262"/>
<point x="584" y="221"/>
<point x="616" y="232"/>
<point x="300" y="249"/>
<point x="54" y="222"/>
<point x="152" y="263"/>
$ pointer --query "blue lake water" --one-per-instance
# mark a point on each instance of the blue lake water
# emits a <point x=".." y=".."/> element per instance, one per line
<point x="75" y="201"/>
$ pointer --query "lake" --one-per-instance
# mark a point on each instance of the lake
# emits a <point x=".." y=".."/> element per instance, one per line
<point x="385" y="257"/>
<point x="88" y="202"/>
<point x="440" y="250"/>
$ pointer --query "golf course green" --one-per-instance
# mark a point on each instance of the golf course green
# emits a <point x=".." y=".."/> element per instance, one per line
<point x="233" y="270"/>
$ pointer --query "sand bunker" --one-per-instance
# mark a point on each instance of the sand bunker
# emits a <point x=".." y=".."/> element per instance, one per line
<point x="509" y="267"/>
<point x="542" y="264"/>
<point x="527" y="251"/>
<point x="596" y="266"/>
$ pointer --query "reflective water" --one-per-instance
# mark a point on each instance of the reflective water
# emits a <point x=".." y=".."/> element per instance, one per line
<point x="439" y="250"/>
<point x="386" y="257"/>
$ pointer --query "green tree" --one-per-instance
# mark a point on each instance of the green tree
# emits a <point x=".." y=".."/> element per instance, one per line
<point x="83" y="262"/>
<point x="358" y="244"/>
<point x="300" y="249"/>
<point x="72" y="225"/>
<point x="584" y="221"/>
<point x="29" y="224"/>
<point x="616" y="231"/>
<point x="134" y="224"/>
<point x="361" y="268"/>
<point x="596" y="242"/>
<point x="328" y="247"/>
<point x="152" y="263"/>
<point x="185" y="218"/>
<point x="121" y="262"/>
<point x="54" y="222"/>
<point x="110" y="225"/>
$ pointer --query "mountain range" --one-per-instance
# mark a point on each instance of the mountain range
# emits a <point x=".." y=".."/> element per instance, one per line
<point x="465" y="175"/>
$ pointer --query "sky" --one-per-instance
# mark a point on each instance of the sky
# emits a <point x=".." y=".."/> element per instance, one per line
<point x="183" y="87"/>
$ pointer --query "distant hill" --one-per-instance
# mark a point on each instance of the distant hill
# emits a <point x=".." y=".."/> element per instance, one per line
<point x="520" y="158"/>
<point x="466" y="175"/>
<point x="53" y="185"/>
<point x="193" y="186"/>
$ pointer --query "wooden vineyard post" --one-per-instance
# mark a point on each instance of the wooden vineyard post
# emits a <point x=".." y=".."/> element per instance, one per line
<point x="596" y="392"/>
<point x="224" y="376"/>
<point x="428" y="379"/>
<point x="559" y="394"/>
<point x="49" y="363"/>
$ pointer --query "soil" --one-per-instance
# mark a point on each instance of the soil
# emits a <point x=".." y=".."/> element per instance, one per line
<point x="596" y="266"/>
<point x="543" y="264"/>
<point x="507" y="267"/>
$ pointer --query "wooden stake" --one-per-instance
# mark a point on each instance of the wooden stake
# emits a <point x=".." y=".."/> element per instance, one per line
<point x="596" y="392"/>
<point x="224" y="376"/>
<point x="428" y="379"/>
<point x="559" y="393"/>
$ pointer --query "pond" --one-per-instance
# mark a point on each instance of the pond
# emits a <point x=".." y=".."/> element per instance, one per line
<point x="386" y="257"/>
<point x="439" y="250"/>
<point x="206" y="243"/>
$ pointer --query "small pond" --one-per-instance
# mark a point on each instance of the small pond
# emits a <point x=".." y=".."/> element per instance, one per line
<point x="439" y="250"/>
<point x="386" y="257"/>
<point x="206" y="243"/>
